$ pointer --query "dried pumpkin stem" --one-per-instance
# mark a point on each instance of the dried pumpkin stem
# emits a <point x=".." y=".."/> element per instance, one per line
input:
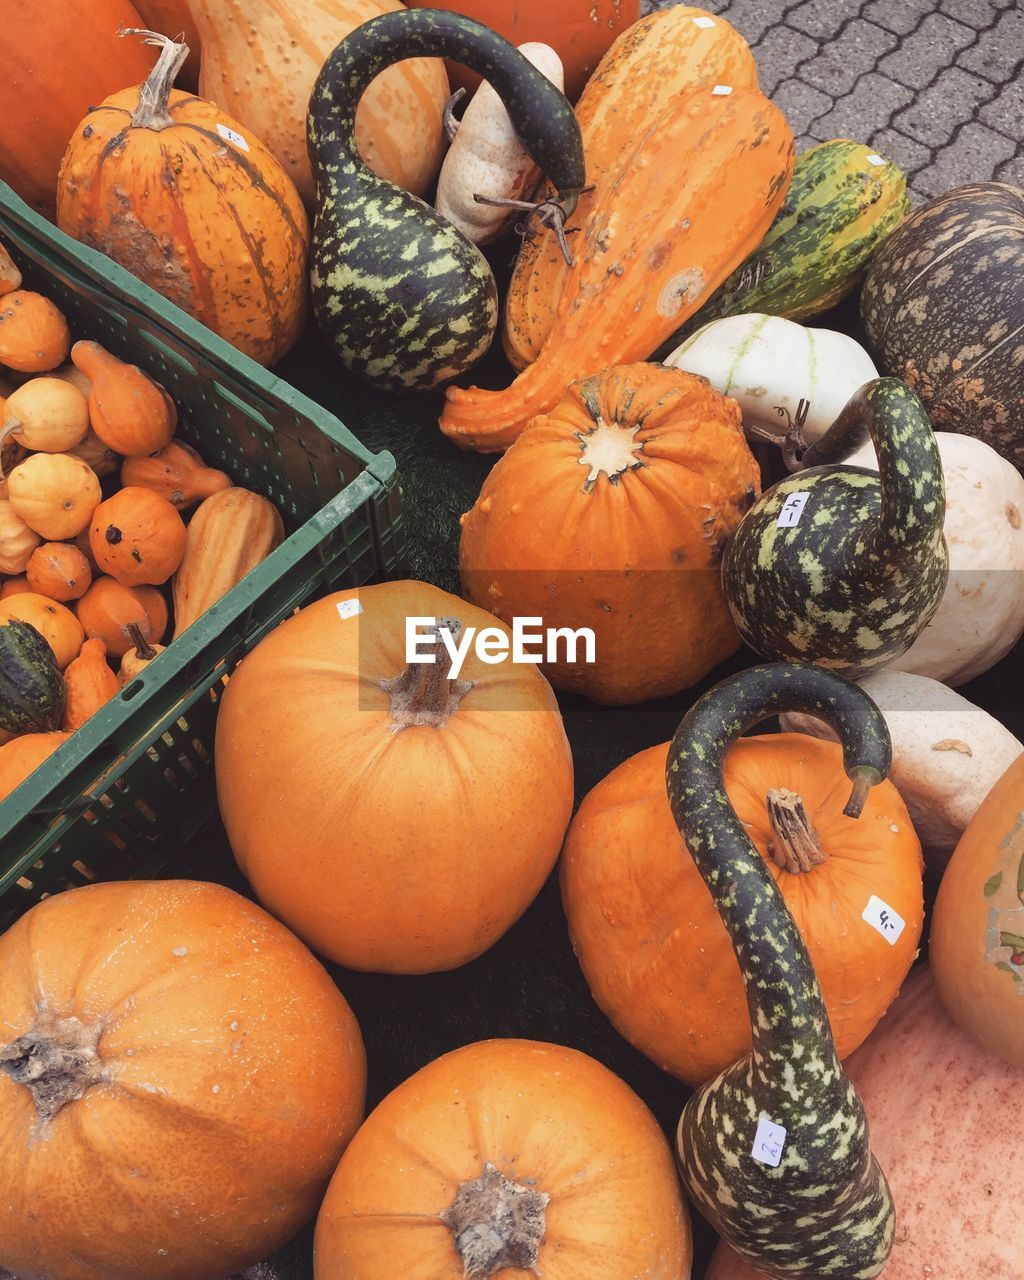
<point x="143" y="649"/>
<point x="497" y="1224"/>
<point x="451" y="125"/>
<point x="423" y="694"/>
<point x="153" y="111"/>
<point x="57" y="1061"/>
<point x="794" y="844"/>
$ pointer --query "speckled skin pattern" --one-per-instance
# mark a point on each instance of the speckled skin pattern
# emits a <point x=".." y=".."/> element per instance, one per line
<point x="943" y="307"/>
<point x="406" y="300"/>
<point x="825" y="1210"/>
<point x="856" y="580"/>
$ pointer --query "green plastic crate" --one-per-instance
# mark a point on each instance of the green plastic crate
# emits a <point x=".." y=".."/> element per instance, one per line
<point x="135" y="783"/>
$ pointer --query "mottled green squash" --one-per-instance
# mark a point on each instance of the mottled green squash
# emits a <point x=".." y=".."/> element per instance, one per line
<point x="32" y="693"/>
<point x="840" y="565"/>
<point x="401" y="295"/>
<point x="775" y="1151"/>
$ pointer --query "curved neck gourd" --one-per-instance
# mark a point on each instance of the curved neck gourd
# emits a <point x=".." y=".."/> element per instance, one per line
<point x="775" y="1150"/>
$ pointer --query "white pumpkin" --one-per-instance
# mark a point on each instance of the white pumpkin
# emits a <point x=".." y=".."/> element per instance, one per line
<point x="947" y="754"/>
<point x="981" y="616"/>
<point x="487" y="158"/>
<point x="768" y="364"/>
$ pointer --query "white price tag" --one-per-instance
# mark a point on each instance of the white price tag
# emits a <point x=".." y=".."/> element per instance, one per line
<point x="230" y="135"/>
<point x="792" y="510"/>
<point x="881" y="917"/>
<point x="703" y="22"/>
<point x="768" y="1142"/>
<point x="874" y="159"/>
<point x="721" y="90"/>
<point x="349" y="608"/>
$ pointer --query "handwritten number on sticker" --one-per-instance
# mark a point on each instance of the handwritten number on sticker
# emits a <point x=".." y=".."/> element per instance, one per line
<point x="769" y="1142"/>
<point x="883" y="919"/>
<point x="792" y="510"/>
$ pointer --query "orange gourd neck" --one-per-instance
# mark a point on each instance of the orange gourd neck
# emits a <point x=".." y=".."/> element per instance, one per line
<point x="497" y="1223"/>
<point x="423" y="694"/>
<point x="153" y="109"/>
<point x="794" y="845"/>
<point x="57" y="1061"/>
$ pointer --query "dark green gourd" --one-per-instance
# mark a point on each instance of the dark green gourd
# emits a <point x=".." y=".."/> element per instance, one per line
<point x="811" y="1201"/>
<point x="840" y="565"/>
<point x="404" y="298"/>
<point x="32" y="691"/>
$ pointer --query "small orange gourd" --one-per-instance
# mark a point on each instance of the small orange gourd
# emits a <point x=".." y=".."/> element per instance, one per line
<point x="23" y="756"/>
<point x="131" y="414"/>
<point x="177" y="473"/>
<point x="58" y="626"/>
<point x="46" y="415"/>
<point x="138" y="657"/>
<point x="155" y="604"/>
<point x="10" y="276"/>
<point x="14" y="587"/>
<point x="59" y="570"/>
<point x="55" y="494"/>
<point x="34" y="336"/>
<point x="90" y="684"/>
<point x="137" y="537"/>
<point x="17" y="540"/>
<point x="110" y="610"/>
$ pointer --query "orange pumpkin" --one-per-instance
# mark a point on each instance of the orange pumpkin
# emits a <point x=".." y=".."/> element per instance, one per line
<point x="19" y="758"/>
<point x="177" y="473"/>
<point x="976" y="944"/>
<point x="648" y="935"/>
<point x="205" y="1076"/>
<point x="59" y="57"/>
<point x="14" y="587"/>
<point x="34" y="335"/>
<point x="90" y="684"/>
<point x="109" y="610"/>
<point x="612" y="512"/>
<point x="137" y="537"/>
<point x="194" y="204"/>
<point x="55" y="494"/>
<point x="155" y="604"/>
<point x="506" y="1158"/>
<point x="442" y="765"/>
<point x="59" y="570"/>
<point x="131" y="414"/>
<point x="58" y="626"/>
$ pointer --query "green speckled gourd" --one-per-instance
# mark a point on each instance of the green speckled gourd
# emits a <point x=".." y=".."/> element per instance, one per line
<point x="838" y="565"/>
<point x="405" y="299"/>
<point x="844" y="200"/>
<point x="32" y="690"/>
<point x="775" y="1150"/>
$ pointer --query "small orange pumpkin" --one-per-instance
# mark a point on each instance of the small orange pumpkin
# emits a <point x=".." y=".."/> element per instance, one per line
<point x="55" y="494"/>
<point x="14" y="587"/>
<point x="131" y="414"/>
<point x="155" y="604"/>
<point x="22" y="756"/>
<point x="58" y="626"/>
<point x="204" y="1075"/>
<point x="90" y="684"/>
<point x="138" y="657"/>
<point x="137" y="537"/>
<point x="17" y="540"/>
<point x="59" y="570"/>
<point x="648" y="935"/>
<point x="34" y="336"/>
<point x="612" y="513"/>
<point x="177" y="473"/>
<point x="506" y="1158"/>
<point x="110" y="610"/>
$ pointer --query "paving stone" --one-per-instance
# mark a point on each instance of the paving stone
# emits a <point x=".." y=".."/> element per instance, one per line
<point x="778" y="55"/>
<point x="908" y="154"/>
<point x="1006" y="111"/>
<point x="999" y="52"/>
<point x="932" y="46"/>
<point x="837" y="68"/>
<point x="936" y="112"/>
<point x="1012" y="171"/>
<point x="800" y="104"/>
<point x="754" y="18"/>
<point x="901" y="16"/>
<point x="974" y="156"/>
<point x="975" y="13"/>
<point x="869" y="107"/>
<point x="821" y="21"/>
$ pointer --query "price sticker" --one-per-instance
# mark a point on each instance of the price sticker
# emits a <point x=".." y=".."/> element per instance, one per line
<point x="721" y="90"/>
<point x="349" y="608"/>
<point x="231" y="135"/>
<point x="874" y="159"/>
<point x="792" y="510"/>
<point x="703" y="22"/>
<point x="881" y="917"/>
<point x="768" y="1142"/>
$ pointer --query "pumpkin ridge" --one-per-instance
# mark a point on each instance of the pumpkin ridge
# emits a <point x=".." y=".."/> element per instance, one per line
<point x="252" y="173"/>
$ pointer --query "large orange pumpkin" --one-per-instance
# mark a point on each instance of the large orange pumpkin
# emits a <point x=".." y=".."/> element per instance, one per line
<point x="60" y="56"/>
<point x="612" y="512"/>
<point x="194" y="204"/>
<point x="179" y="1079"/>
<point x="976" y="944"/>
<point x="649" y="937"/>
<point x="395" y="819"/>
<point x="506" y="1158"/>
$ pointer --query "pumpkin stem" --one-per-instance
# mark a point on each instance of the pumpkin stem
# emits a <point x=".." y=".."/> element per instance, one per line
<point x="57" y="1061"/>
<point x="497" y="1223"/>
<point x="143" y="649"/>
<point x="451" y="125"/>
<point x="423" y="694"/>
<point x="794" y="844"/>
<point x="152" y="111"/>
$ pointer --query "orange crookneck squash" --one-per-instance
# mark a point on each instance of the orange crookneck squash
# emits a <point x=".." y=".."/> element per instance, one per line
<point x="170" y="1047"/>
<point x="396" y="819"/>
<point x="612" y="512"/>
<point x="649" y="937"/>
<point x="506" y="1158"/>
<point x="194" y="204"/>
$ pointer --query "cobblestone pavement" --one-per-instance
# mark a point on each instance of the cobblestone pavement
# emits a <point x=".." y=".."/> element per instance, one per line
<point x="935" y="85"/>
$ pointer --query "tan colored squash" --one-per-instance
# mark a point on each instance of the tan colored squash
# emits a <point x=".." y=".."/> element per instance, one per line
<point x="138" y="657"/>
<point x="55" y="494"/>
<point x="58" y="626"/>
<point x="34" y="336"/>
<point x="17" y="540"/>
<point x="229" y="534"/>
<point x="90" y="684"/>
<point x="46" y="415"/>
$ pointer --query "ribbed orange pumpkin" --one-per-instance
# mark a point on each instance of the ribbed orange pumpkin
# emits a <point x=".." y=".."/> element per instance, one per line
<point x="260" y="62"/>
<point x="195" y="205"/>
<point x="612" y="512"/>
<point x="648" y="935"/>
<point x="60" y="56"/>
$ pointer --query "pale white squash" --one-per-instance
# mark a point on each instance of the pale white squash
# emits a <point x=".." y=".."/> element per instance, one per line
<point x="947" y="754"/>
<point x="981" y="615"/>
<point x="767" y="364"/>
<point x="487" y="158"/>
